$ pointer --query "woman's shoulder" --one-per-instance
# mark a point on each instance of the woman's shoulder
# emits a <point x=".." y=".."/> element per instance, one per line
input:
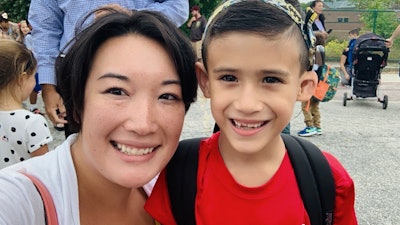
<point x="18" y="196"/>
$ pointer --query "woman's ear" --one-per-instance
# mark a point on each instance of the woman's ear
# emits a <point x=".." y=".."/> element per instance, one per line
<point x="202" y="79"/>
<point x="308" y="83"/>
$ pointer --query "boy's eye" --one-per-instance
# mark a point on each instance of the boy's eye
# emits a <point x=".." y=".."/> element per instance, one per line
<point x="229" y="78"/>
<point x="271" y="80"/>
<point x="115" y="91"/>
<point x="169" y="97"/>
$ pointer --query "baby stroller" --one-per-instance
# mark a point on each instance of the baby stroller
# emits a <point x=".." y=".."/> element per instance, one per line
<point x="369" y="58"/>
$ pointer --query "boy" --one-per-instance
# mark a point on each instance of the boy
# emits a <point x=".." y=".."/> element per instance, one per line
<point x="346" y="59"/>
<point x="256" y="65"/>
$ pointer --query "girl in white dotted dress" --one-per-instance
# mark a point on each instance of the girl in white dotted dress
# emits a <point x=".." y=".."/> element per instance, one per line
<point x="23" y="134"/>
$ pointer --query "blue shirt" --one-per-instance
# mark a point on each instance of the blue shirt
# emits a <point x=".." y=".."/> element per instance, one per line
<point x="54" y="22"/>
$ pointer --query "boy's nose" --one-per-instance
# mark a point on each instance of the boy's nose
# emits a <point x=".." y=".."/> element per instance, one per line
<point x="248" y="100"/>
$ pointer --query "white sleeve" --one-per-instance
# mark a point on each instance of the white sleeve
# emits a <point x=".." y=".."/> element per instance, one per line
<point x="19" y="200"/>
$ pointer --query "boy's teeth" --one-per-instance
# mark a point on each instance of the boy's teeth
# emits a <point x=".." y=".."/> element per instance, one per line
<point x="245" y="125"/>
<point x="134" y="151"/>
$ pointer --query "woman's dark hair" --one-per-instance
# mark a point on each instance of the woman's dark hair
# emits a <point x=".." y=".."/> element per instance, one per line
<point x="73" y="70"/>
<point x="313" y="3"/>
<point x="259" y="17"/>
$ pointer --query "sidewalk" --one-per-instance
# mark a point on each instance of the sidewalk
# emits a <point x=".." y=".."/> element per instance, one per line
<point x="362" y="135"/>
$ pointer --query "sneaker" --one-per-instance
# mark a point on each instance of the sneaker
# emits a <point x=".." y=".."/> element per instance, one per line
<point x="307" y="132"/>
<point x="319" y="131"/>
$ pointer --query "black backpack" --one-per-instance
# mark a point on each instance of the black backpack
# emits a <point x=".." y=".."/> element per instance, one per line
<point x="313" y="174"/>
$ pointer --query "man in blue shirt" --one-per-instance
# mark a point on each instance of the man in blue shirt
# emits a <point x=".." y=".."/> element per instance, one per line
<point x="54" y="25"/>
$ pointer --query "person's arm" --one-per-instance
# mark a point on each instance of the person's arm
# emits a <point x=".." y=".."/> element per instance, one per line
<point x="343" y="59"/>
<point x="47" y="20"/>
<point x="395" y="34"/>
<point x="190" y="22"/>
<point x="176" y="10"/>
<point x="40" y="151"/>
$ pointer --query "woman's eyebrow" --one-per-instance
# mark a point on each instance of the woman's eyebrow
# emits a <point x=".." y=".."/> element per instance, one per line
<point x="167" y="82"/>
<point x="113" y="75"/>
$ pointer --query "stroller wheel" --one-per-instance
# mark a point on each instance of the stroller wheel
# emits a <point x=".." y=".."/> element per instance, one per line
<point x="385" y="101"/>
<point x="345" y="99"/>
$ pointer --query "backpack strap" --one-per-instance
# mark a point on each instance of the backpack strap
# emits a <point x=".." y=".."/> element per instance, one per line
<point x="182" y="181"/>
<point x="50" y="212"/>
<point x="314" y="178"/>
<point x="312" y="170"/>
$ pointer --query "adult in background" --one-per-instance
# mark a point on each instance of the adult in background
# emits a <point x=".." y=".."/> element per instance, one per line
<point x="319" y="23"/>
<point x="197" y="25"/>
<point x="54" y="23"/>
<point x="8" y="29"/>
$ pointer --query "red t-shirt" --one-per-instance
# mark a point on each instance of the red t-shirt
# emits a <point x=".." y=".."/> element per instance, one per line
<point x="221" y="200"/>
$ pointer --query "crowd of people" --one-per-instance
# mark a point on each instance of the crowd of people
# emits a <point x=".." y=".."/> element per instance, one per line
<point x="119" y="78"/>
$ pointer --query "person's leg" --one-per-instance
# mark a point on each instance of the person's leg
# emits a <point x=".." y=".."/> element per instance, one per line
<point x="309" y="130"/>
<point x="316" y="115"/>
<point x="305" y="107"/>
<point x="33" y="97"/>
<point x="286" y="130"/>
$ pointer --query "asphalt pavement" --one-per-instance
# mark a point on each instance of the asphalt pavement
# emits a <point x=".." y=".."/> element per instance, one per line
<point x="362" y="135"/>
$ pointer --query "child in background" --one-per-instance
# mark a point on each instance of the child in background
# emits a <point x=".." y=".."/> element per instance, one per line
<point x="23" y="133"/>
<point x="346" y="59"/>
<point x="257" y="63"/>
<point x="25" y="37"/>
<point x="310" y="108"/>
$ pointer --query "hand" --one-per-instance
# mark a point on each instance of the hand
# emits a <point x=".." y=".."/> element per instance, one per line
<point x="53" y="103"/>
<point x="105" y="9"/>
<point x="389" y="42"/>
<point x="193" y="19"/>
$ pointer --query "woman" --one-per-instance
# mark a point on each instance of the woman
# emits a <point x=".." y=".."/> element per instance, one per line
<point x="319" y="23"/>
<point x="127" y="82"/>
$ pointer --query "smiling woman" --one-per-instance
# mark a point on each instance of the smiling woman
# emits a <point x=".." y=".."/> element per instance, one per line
<point x="127" y="112"/>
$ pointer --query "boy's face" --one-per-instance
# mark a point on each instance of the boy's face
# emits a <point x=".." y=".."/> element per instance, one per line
<point x="352" y="36"/>
<point x="253" y="83"/>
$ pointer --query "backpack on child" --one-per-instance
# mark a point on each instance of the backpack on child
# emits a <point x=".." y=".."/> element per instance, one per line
<point x="313" y="174"/>
<point x="331" y="77"/>
<point x="328" y="77"/>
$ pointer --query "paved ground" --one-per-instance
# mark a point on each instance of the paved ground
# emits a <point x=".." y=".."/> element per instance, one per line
<point x="362" y="135"/>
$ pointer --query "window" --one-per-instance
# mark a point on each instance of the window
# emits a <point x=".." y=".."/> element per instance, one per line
<point x="343" y="19"/>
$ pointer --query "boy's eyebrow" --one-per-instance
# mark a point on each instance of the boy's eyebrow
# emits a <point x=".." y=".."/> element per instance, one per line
<point x="264" y="71"/>
<point x="125" y="78"/>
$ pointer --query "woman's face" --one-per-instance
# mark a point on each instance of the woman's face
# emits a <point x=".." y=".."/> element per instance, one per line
<point x="319" y="7"/>
<point x="133" y="112"/>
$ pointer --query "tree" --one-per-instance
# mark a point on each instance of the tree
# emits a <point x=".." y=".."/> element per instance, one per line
<point x="17" y="9"/>
<point x="378" y="16"/>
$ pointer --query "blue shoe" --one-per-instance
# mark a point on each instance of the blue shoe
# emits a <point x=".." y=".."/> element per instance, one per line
<point x="319" y="131"/>
<point x="307" y="132"/>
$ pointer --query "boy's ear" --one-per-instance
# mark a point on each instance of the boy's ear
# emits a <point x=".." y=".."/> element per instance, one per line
<point x="308" y="83"/>
<point x="202" y="79"/>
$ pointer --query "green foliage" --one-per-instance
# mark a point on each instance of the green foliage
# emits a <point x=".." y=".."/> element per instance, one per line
<point x="334" y="48"/>
<point x="17" y="9"/>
